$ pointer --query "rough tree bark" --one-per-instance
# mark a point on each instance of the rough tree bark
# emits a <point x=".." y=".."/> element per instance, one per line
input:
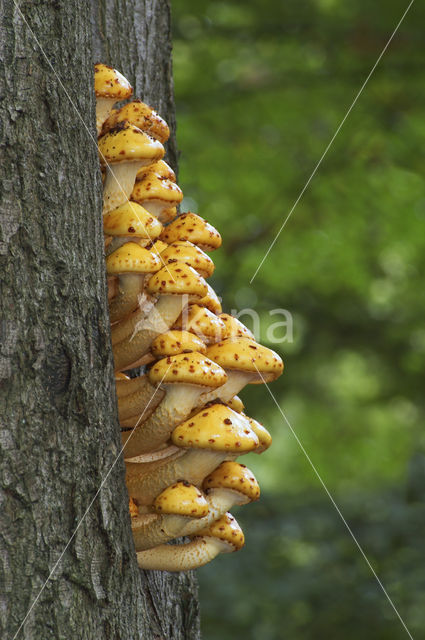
<point x="59" y="429"/>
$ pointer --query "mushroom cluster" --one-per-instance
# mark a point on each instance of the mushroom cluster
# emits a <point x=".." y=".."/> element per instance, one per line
<point x="182" y="422"/>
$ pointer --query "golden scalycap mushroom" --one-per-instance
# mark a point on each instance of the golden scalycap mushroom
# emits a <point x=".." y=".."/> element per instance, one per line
<point x="227" y="530"/>
<point x="143" y="117"/>
<point x="177" y="279"/>
<point x="174" y="342"/>
<point x="234" y="327"/>
<point x="217" y="428"/>
<point x="132" y="258"/>
<point x="187" y="368"/>
<point x="127" y="143"/>
<point x="262" y="434"/>
<point x="157" y="247"/>
<point x="151" y="186"/>
<point x="131" y="220"/>
<point x="190" y="226"/>
<point x="202" y="322"/>
<point x="236" y="404"/>
<point x="190" y="254"/>
<point x="211" y="301"/>
<point x="110" y="83"/>
<point x="242" y="354"/>
<point x="160" y="168"/>
<point x="183" y="499"/>
<point x="235" y="476"/>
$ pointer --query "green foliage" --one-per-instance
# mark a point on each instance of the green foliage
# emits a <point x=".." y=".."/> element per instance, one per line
<point x="261" y="88"/>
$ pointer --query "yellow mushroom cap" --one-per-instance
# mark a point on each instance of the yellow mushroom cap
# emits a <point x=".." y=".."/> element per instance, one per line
<point x="234" y="327"/>
<point x="235" y="476"/>
<point x="211" y="301"/>
<point x="236" y="404"/>
<point x="190" y="226"/>
<point x="192" y="255"/>
<point x="110" y="83"/>
<point x="218" y="428"/>
<point x="201" y="321"/>
<point x="183" y="499"/>
<point x="134" y="511"/>
<point x="227" y="530"/>
<point x="127" y="143"/>
<point x="262" y="434"/>
<point x="132" y="258"/>
<point x="174" y="342"/>
<point x="242" y="354"/>
<point x="177" y="279"/>
<point x="131" y="220"/>
<point x="142" y="116"/>
<point x="152" y="187"/>
<point x="187" y="368"/>
<point x="160" y="168"/>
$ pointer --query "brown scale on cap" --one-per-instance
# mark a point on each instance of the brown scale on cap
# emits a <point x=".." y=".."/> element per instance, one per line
<point x="227" y="530"/>
<point x="234" y="327"/>
<point x="160" y="168"/>
<point x="182" y="498"/>
<point x="189" y="226"/>
<point x="211" y="301"/>
<point x="187" y="368"/>
<point x="110" y="87"/>
<point x="242" y="354"/>
<point x="234" y="476"/>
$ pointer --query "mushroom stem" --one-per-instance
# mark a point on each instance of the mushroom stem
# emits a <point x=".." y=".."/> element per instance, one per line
<point x="145" y="483"/>
<point x="129" y="288"/>
<point x="119" y="183"/>
<point x="156" y="429"/>
<point x="182" y="557"/>
<point x="235" y="382"/>
<point x="140" y="331"/>
<point x="149" y="532"/>
<point x="104" y="107"/>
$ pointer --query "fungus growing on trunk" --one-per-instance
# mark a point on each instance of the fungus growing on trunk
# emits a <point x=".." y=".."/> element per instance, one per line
<point x="158" y="196"/>
<point x="207" y="438"/>
<point x="223" y="536"/>
<point x="176" y="507"/>
<point x="201" y="322"/>
<point x="189" y="226"/>
<point x="142" y="116"/>
<point x="245" y="362"/>
<point x="189" y="253"/>
<point x="110" y="87"/>
<point x="176" y="285"/>
<point x="124" y="150"/>
<point x="130" y="222"/>
<point x="184" y="378"/>
<point x="160" y="168"/>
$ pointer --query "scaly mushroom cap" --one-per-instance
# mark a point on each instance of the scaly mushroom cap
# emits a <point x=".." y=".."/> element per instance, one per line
<point x="187" y="368"/>
<point x="227" y="530"/>
<point x="127" y="143"/>
<point x="110" y="83"/>
<point x="202" y="322"/>
<point x="262" y="434"/>
<point x="242" y="354"/>
<point x="217" y="428"/>
<point x="235" y="476"/>
<point x="189" y="254"/>
<point x="152" y="187"/>
<point x="131" y="220"/>
<point x="236" y="404"/>
<point x="142" y="116"/>
<point x="160" y="168"/>
<point x="183" y="499"/>
<point x="158" y="246"/>
<point x="174" y="342"/>
<point x="190" y="226"/>
<point x="177" y="279"/>
<point x="211" y="301"/>
<point x="132" y="258"/>
<point x="234" y="327"/>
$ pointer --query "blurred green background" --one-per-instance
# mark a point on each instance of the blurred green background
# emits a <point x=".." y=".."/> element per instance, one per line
<point x="261" y="87"/>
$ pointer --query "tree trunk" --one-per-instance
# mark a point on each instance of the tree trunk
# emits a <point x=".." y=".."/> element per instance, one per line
<point x="67" y="558"/>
